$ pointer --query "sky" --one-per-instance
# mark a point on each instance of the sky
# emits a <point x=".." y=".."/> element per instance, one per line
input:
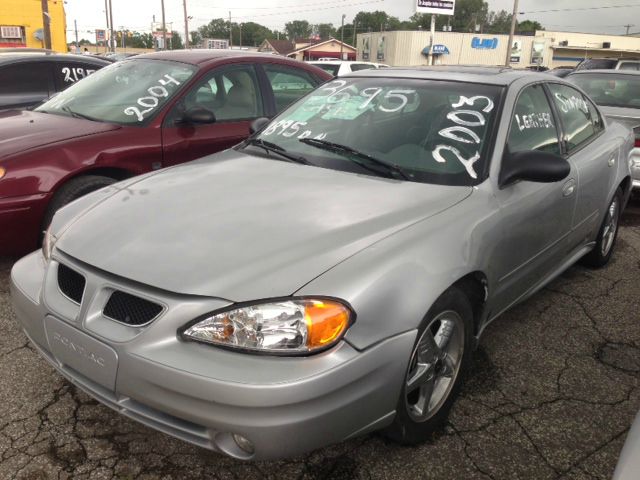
<point x="138" y="14"/>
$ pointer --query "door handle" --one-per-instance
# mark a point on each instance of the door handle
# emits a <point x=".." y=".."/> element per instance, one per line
<point x="612" y="161"/>
<point x="569" y="188"/>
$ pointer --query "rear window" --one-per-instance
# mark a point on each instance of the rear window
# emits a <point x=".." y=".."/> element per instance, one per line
<point x="597" y="64"/>
<point x="629" y="66"/>
<point x="610" y="90"/>
<point x="329" y="68"/>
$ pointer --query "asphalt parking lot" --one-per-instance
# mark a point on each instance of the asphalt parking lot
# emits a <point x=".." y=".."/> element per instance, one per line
<point x="554" y="389"/>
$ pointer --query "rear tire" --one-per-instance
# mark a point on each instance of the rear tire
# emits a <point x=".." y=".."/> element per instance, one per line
<point x="606" y="239"/>
<point x="72" y="190"/>
<point x="438" y="362"/>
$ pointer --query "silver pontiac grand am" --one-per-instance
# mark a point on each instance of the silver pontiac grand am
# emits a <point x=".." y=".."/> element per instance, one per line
<point x="331" y="275"/>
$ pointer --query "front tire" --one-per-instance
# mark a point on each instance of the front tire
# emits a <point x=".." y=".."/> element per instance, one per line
<point x="438" y="361"/>
<point x="72" y="190"/>
<point x="605" y="242"/>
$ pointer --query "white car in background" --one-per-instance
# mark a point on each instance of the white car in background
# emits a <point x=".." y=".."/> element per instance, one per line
<point x="338" y="68"/>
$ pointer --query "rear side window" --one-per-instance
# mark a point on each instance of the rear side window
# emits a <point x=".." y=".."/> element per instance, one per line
<point x="533" y="126"/>
<point x="68" y="73"/>
<point x="575" y="115"/>
<point x="288" y="84"/>
<point x="597" y="63"/>
<point x="32" y="79"/>
<point x="361" y="66"/>
<point x="629" y="66"/>
<point x="330" y="68"/>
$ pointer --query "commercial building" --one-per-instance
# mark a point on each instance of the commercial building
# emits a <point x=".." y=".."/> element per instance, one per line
<point x="315" y="50"/>
<point x="21" y="24"/>
<point x="546" y="48"/>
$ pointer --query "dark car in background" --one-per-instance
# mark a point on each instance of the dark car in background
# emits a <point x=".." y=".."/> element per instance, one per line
<point x="134" y="116"/>
<point x="609" y="64"/>
<point x="617" y="93"/>
<point x="27" y="78"/>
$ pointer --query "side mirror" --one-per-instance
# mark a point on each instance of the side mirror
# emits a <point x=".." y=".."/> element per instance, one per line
<point x="533" y="166"/>
<point x="258" y="124"/>
<point x="197" y="115"/>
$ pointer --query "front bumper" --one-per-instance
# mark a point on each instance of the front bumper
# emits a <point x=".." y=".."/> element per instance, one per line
<point x="20" y="223"/>
<point x="201" y="394"/>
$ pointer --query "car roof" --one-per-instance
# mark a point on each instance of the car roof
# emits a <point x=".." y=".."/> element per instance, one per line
<point x="204" y="55"/>
<point x="12" y="57"/>
<point x="474" y="74"/>
<point x="605" y="72"/>
<point x="338" y="62"/>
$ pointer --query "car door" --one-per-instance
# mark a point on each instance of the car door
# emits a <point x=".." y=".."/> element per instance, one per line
<point x="535" y="218"/>
<point x="287" y="84"/>
<point x="25" y="84"/>
<point x="233" y="94"/>
<point x="592" y="155"/>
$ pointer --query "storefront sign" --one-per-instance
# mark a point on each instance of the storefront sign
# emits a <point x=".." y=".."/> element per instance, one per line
<point x="380" y="55"/>
<point x="366" y="50"/>
<point x="439" y="49"/>
<point x="537" y="52"/>
<point x="516" y="51"/>
<point x="484" y="43"/>
<point x="437" y="7"/>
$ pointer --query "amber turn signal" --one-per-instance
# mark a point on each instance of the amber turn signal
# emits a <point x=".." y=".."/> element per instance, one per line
<point x="2" y="172"/>
<point x="326" y="321"/>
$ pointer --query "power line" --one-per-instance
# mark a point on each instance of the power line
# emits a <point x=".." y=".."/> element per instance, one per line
<point x="633" y="5"/>
<point x="298" y="5"/>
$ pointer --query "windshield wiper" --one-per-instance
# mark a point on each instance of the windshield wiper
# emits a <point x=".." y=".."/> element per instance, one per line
<point x="271" y="147"/>
<point x="77" y="114"/>
<point x="338" y="148"/>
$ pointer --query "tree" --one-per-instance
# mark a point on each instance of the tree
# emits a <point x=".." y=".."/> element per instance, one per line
<point x="376" y="21"/>
<point x="468" y="14"/>
<point x="528" y="27"/>
<point x="298" y="29"/>
<point x="499" y="22"/>
<point x="325" y="31"/>
<point x="175" y="43"/>
<point x="196" y="38"/>
<point x="253" y="34"/>
<point x="140" y="40"/>
<point x="216" y="28"/>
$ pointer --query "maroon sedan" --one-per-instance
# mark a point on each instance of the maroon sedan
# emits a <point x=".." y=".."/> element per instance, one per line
<point x="149" y="112"/>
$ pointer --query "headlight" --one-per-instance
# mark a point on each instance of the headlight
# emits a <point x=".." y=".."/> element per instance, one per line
<point x="291" y="326"/>
<point x="2" y="172"/>
<point x="48" y="243"/>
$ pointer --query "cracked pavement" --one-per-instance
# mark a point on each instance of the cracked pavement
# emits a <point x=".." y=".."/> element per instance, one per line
<point x="551" y="395"/>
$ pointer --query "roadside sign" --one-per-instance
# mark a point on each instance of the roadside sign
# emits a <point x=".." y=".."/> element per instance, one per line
<point x="437" y="7"/>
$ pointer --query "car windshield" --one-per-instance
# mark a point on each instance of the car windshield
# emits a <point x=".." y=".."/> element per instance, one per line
<point x="419" y="130"/>
<point x="130" y="92"/>
<point x="610" y="90"/>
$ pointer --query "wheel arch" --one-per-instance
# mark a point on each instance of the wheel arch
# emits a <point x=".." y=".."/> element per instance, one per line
<point x="476" y="287"/>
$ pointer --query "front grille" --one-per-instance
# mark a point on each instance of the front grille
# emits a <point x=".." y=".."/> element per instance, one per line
<point x="71" y="283"/>
<point x="130" y="309"/>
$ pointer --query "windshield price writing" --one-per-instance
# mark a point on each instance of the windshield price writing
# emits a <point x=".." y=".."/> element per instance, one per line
<point x="152" y="100"/>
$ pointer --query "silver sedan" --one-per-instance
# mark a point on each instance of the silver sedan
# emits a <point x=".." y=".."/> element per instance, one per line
<point x="331" y="275"/>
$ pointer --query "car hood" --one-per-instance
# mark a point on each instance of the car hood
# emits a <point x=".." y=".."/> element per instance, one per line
<point x="240" y="227"/>
<point x="22" y="130"/>
<point x="627" y="116"/>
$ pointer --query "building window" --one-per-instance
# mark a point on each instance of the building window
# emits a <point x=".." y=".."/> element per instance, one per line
<point x="10" y="32"/>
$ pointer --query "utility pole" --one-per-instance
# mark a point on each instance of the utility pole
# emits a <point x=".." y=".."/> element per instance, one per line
<point x="240" y="25"/>
<point x="106" y="15"/>
<point x="186" y="24"/>
<point x="75" y="27"/>
<point x="433" y="36"/>
<point x="46" y="25"/>
<point x="230" y="32"/>
<point x="514" y="20"/>
<point x="628" y="27"/>
<point x="111" y="36"/>
<point x="355" y="28"/>
<point x="342" y="37"/>
<point x="164" y="27"/>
